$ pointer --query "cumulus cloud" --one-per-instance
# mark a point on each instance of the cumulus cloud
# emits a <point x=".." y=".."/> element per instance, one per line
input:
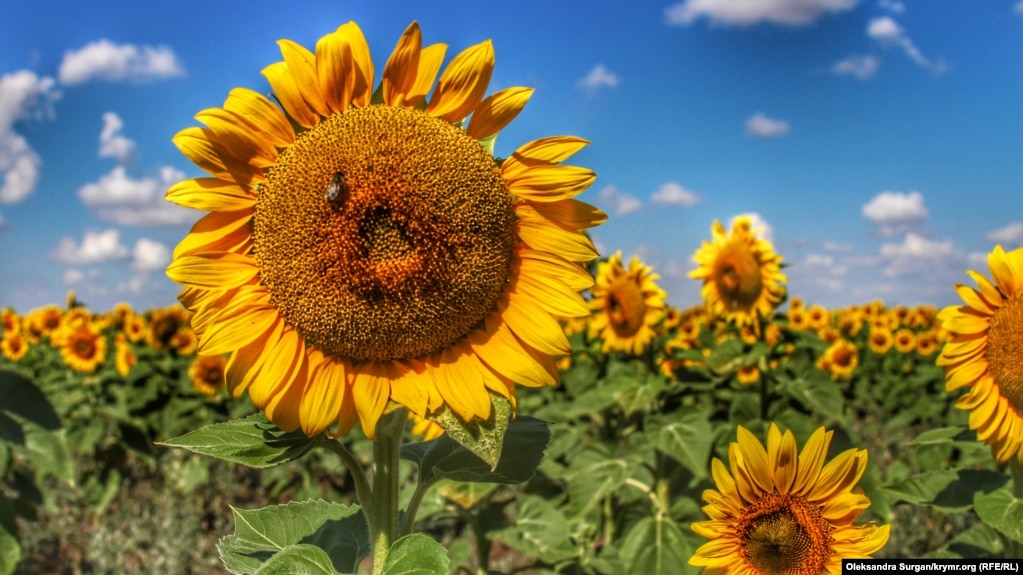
<point x="1008" y="236"/>
<point x="23" y="95"/>
<point x="96" y="247"/>
<point x="748" y="12"/>
<point x="598" y="78"/>
<point x="118" y="62"/>
<point x="918" y="255"/>
<point x="673" y="194"/>
<point x="817" y="260"/>
<point x="620" y="203"/>
<point x="893" y="211"/>
<point x="150" y="255"/>
<point x="112" y="144"/>
<point x="760" y="126"/>
<point x="1018" y="8"/>
<point x="837" y="247"/>
<point x="892" y="6"/>
<point x="118" y="198"/>
<point x="73" y="276"/>
<point x="887" y="32"/>
<point x="859" y="67"/>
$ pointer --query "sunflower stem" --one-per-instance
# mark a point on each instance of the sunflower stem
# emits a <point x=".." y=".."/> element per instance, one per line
<point x="1015" y="548"/>
<point x="362" y="488"/>
<point x="383" y="515"/>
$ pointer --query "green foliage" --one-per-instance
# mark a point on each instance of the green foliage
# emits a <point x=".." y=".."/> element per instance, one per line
<point x="252" y="441"/>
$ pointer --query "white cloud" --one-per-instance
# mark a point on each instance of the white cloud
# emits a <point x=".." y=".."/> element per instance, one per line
<point x="887" y="32"/>
<point x="150" y="255"/>
<point x="673" y="194"/>
<point x="96" y="247"/>
<point x="22" y="95"/>
<point x="837" y="247"/>
<point x="818" y="261"/>
<point x="112" y="144"/>
<point x="620" y="203"/>
<point x="1018" y="8"/>
<point x="118" y="62"/>
<point x="918" y="255"/>
<point x="121" y="199"/>
<point x="748" y="12"/>
<point x="760" y="126"/>
<point x="73" y="276"/>
<point x="758" y="225"/>
<point x="892" y="6"/>
<point x="859" y="67"/>
<point x="599" y="77"/>
<point x="893" y="211"/>
<point x="1010" y="235"/>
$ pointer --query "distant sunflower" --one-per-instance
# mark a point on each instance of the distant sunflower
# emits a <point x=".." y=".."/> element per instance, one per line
<point x="840" y="360"/>
<point x="984" y="353"/>
<point x="778" y="513"/>
<point x="627" y="304"/>
<point x="798" y="319"/>
<point x="124" y="355"/>
<point x="748" y="375"/>
<point x="134" y="327"/>
<point x="13" y="346"/>
<point x="45" y="321"/>
<point x="207" y="373"/>
<point x="926" y="343"/>
<point x="164" y="325"/>
<point x="366" y="251"/>
<point x="905" y="340"/>
<point x="741" y="273"/>
<point x="10" y="323"/>
<point x="880" y="340"/>
<point x="83" y="347"/>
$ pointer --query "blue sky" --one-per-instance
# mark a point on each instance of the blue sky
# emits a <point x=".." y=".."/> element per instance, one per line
<point x="879" y="143"/>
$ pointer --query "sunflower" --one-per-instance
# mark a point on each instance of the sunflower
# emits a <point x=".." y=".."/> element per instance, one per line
<point x="880" y="340"/>
<point x="13" y="346"/>
<point x="368" y="251"/>
<point x="82" y="346"/>
<point x="741" y="273"/>
<point x="164" y="325"/>
<point x="926" y="343"/>
<point x="135" y="327"/>
<point x="627" y="305"/>
<point x="124" y="355"/>
<point x="776" y="512"/>
<point x="984" y="353"/>
<point x="818" y="317"/>
<point x="10" y="323"/>
<point x="45" y="321"/>
<point x="840" y="360"/>
<point x="905" y="340"/>
<point x="798" y="319"/>
<point x="184" y="341"/>
<point x="207" y="373"/>
<point x="748" y="375"/>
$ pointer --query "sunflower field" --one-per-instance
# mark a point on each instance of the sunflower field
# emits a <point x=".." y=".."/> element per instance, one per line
<point x="443" y="376"/>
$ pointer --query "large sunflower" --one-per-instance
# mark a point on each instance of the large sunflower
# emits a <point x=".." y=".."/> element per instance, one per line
<point x="365" y="247"/>
<point x="777" y="512"/>
<point x="741" y="273"/>
<point x="627" y="305"/>
<point x="984" y="353"/>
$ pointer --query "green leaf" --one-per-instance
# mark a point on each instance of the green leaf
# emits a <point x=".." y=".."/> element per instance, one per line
<point x="937" y="436"/>
<point x="298" y="560"/>
<point x="416" y="554"/>
<point x="339" y="530"/>
<point x="688" y="441"/>
<point x="522" y="450"/>
<point x="10" y="547"/>
<point x="48" y="452"/>
<point x="21" y="398"/>
<point x="656" y="546"/>
<point x="947" y="489"/>
<point x="817" y="392"/>
<point x="593" y="477"/>
<point x="252" y="441"/>
<point x="1001" y="510"/>
<point x="540" y="531"/>
<point x="483" y="438"/>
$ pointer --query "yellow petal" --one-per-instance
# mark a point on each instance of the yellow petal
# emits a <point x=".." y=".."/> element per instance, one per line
<point x="244" y="365"/>
<point x="213" y="271"/>
<point x="569" y="213"/>
<point x="497" y="111"/>
<point x="402" y="67"/>
<point x="811" y="460"/>
<point x="198" y="145"/>
<point x="430" y="59"/>
<point x="370" y="389"/>
<point x="262" y="114"/>
<point x="335" y="71"/>
<point x="1002" y="273"/>
<point x="410" y="385"/>
<point x="458" y="374"/>
<point x="572" y="246"/>
<point x="987" y="289"/>
<point x="965" y="374"/>
<point x="463" y="83"/>
<point x="302" y="66"/>
<point x="215" y="232"/>
<point x="237" y="328"/>
<point x="323" y="395"/>
<point x="551" y="294"/>
<point x="504" y="353"/>
<point x="287" y="93"/>
<point x="238" y="138"/>
<point x="551" y="183"/>
<point x="967" y="322"/>
<point x="973" y="299"/>
<point x="542" y="152"/>
<point x="784" y="459"/>
<point x="211" y="194"/>
<point x="284" y="377"/>
<point x="363" y="89"/>
<point x="534" y="326"/>
<point x="840" y="475"/>
<point x="551" y="265"/>
<point x="757" y="464"/>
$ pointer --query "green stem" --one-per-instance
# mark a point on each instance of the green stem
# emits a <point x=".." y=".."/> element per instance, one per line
<point x="1014" y="549"/>
<point x="383" y="516"/>
<point x="765" y="398"/>
<point x="362" y="489"/>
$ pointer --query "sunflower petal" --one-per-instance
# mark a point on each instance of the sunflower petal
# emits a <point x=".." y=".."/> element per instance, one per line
<point x="402" y="67"/>
<point x="363" y="90"/>
<point x="238" y="137"/>
<point x="284" y="375"/>
<point x="323" y="395"/>
<point x="335" y="73"/>
<point x="536" y="262"/>
<point x="497" y="111"/>
<point x="1002" y="273"/>
<point x="262" y="114"/>
<point x="215" y="232"/>
<point x="534" y="326"/>
<point x="551" y="183"/>
<point x="572" y="246"/>
<point x="504" y="353"/>
<point x="213" y="271"/>
<point x="302" y="66"/>
<point x="430" y="59"/>
<point x="200" y="146"/>
<point x="289" y="94"/>
<point x="463" y="83"/>
<point x="370" y="389"/>
<point x="211" y="194"/>
<point x="542" y="152"/>
<point x="569" y="213"/>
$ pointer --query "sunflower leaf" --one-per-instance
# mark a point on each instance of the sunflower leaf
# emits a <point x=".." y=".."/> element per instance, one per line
<point x="540" y="530"/>
<point x="338" y="531"/>
<point x="416" y="554"/>
<point x="252" y="441"/>
<point x="297" y="560"/>
<point x="521" y="451"/>
<point x="483" y="438"/>
<point x="656" y="546"/>
<point x="1002" y="511"/>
